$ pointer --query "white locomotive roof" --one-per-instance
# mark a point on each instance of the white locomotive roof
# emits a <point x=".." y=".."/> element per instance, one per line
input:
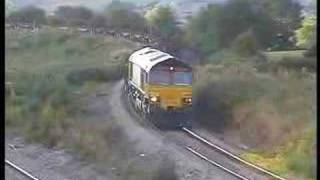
<point x="148" y="57"/>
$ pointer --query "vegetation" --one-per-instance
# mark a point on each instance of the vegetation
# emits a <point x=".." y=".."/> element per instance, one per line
<point x="74" y="16"/>
<point x="306" y="35"/>
<point x="267" y="105"/>
<point x="163" y="26"/>
<point x="263" y="99"/>
<point x="46" y="69"/>
<point x="28" y="14"/>
<point x="51" y="73"/>
<point x="161" y="18"/>
<point x="261" y="17"/>
<point x="123" y="17"/>
<point x="245" y="44"/>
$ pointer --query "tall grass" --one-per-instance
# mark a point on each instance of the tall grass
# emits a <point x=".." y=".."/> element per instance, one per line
<point x="266" y="110"/>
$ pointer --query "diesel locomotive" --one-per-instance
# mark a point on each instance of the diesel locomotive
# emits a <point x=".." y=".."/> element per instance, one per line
<point x="159" y="87"/>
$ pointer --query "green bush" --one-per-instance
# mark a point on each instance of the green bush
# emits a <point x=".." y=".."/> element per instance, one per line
<point x="245" y="44"/>
<point x="218" y="89"/>
<point x="301" y="157"/>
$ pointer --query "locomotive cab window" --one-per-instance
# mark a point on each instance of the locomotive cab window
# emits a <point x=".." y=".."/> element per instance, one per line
<point x="182" y="78"/>
<point x="171" y="72"/>
<point x="159" y="77"/>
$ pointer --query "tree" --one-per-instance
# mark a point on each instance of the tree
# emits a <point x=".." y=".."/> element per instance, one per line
<point x="286" y="15"/>
<point x="217" y="26"/>
<point x="162" y="19"/>
<point x="29" y="14"/>
<point x="98" y="21"/>
<point x="246" y="44"/>
<point x="123" y="16"/>
<point x="55" y="21"/>
<point x="74" y="16"/>
<point x="9" y="7"/>
<point x="118" y="5"/>
<point x="306" y="35"/>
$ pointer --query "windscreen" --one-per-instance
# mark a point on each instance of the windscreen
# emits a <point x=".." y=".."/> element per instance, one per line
<point x="159" y="77"/>
<point x="182" y="78"/>
<point x="164" y="77"/>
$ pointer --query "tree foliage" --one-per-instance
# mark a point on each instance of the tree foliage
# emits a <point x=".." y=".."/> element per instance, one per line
<point x="286" y="13"/>
<point x="162" y="20"/>
<point x="9" y="7"/>
<point x="306" y="35"/>
<point x="216" y="26"/>
<point x="74" y="16"/>
<point x="245" y="44"/>
<point x="28" y="14"/>
<point x="99" y="21"/>
<point x="123" y="16"/>
<point x="118" y="5"/>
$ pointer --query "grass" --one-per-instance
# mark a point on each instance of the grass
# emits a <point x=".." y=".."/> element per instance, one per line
<point x="47" y="69"/>
<point x="267" y="110"/>
<point x="296" y="155"/>
<point x="278" y="55"/>
<point x="50" y="72"/>
<point x="74" y="54"/>
<point x="289" y="60"/>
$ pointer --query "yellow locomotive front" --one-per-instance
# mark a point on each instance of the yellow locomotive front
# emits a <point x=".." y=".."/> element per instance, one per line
<point x="160" y="88"/>
<point x="169" y="91"/>
<point x="169" y="85"/>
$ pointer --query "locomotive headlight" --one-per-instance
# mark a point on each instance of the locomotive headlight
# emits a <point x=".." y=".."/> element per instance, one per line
<point x="188" y="100"/>
<point x="154" y="99"/>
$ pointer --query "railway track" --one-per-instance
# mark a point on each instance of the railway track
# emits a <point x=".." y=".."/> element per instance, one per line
<point x="209" y="152"/>
<point x="227" y="154"/>
<point x="20" y="170"/>
<point x="150" y="125"/>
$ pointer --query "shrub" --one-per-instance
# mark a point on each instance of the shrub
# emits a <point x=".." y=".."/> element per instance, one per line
<point x="245" y="44"/>
<point x="222" y="92"/>
<point x="261" y="109"/>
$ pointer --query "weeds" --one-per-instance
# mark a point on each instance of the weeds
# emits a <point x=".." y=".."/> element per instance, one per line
<point x="265" y="109"/>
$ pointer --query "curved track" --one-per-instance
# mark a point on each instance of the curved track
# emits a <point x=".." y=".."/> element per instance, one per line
<point x="232" y="156"/>
<point x="207" y="151"/>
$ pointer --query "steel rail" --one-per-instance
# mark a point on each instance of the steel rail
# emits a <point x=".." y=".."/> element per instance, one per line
<point x="216" y="164"/>
<point x="23" y="172"/>
<point x="231" y="155"/>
